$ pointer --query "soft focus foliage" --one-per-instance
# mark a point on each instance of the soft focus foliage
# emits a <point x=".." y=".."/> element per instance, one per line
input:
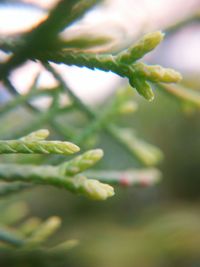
<point x="149" y="221"/>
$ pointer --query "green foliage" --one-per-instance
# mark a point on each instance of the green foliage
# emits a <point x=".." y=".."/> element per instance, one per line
<point x="73" y="175"/>
<point x="122" y="64"/>
<point x="34" y="146"/>
<point x="63" y="175"/>
<point x="31" y="233"/>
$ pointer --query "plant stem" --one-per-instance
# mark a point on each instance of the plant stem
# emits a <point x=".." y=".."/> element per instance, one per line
<point x="91" y="114"/>
<point x="55" y="176"/>
<point x="8" y="189"/>
<point x="131" y="177"/>
<point x="10" y="238"/>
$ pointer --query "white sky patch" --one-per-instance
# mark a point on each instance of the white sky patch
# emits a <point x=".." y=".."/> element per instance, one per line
<point x="90" y="85"/>
<point x="15" y="18"/>
<point x="43" y="4"/>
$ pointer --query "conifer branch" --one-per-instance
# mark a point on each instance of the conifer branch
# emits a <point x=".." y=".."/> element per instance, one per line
<point x="39" y="147"/>
<point x="123" y="64"/>
<point x="35" y="143"/>
<point x="144" y="150"/>
<point x="53" y="175"/>
<point x="127" y="178"/>
<point x="181" y="93"/>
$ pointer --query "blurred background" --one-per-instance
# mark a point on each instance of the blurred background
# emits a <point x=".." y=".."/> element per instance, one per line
<point x="156" y="226"/>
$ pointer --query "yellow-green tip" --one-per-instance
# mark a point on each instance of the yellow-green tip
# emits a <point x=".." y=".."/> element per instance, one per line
<point x="74" y="148"/>
<point x="152" y="39"/>
<point x="156" y="73"/>
<point x="146" y="44"/>
<point x="95" y="154"/>
<point x="91" y="188"/>
<point x="97" y="190"/>
<point x="39" y="135"/>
